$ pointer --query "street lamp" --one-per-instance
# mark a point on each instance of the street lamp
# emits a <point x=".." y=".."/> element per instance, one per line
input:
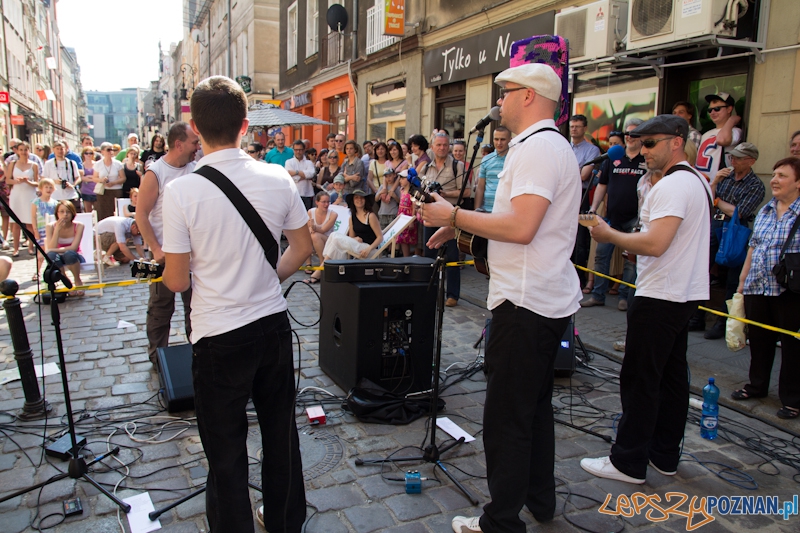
<point x="186" y="67"/>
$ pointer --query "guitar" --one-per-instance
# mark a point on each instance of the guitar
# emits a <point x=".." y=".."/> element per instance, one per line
<point x="141" y="269"/>
<point x="588" y="220"/>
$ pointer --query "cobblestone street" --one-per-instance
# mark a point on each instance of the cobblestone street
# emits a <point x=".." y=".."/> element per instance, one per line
<point x="114" y="391"/>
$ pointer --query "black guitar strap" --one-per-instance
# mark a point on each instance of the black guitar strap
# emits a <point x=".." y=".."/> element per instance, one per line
<point x="687" y="168"/>
<point x="246" y="209"/>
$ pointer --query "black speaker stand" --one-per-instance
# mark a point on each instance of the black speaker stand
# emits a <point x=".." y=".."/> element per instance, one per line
<point x="432" y="452"/>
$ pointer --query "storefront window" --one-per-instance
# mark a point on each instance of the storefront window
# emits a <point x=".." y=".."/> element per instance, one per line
<point x="387" y="111"/>
<point x="451" y="108"/>
<point x="338" y="114"/>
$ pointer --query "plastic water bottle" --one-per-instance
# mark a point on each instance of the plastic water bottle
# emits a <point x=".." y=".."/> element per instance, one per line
<point x="710" y="417"/>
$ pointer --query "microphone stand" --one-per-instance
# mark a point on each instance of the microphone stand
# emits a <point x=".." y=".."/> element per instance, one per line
<point x="78" y="467"/>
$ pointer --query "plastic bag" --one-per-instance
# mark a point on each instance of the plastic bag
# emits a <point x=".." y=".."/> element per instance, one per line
<point x="734" y="329"/>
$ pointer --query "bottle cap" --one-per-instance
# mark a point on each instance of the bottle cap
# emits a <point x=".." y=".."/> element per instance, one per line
<point x="711" y="380"/>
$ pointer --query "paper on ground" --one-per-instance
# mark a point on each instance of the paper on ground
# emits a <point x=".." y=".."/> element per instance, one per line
<point x="12" y="374"/>
<point x="141" y="506"/>
<point x="123" y="324"/>
<point x="453" y="430"/>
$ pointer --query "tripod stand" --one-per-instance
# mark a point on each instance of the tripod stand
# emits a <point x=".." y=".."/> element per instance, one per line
<point x="432" y="452"/>
<point x="78" y="467"/>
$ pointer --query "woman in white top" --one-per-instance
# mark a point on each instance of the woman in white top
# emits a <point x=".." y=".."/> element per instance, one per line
<point x="63" y="240"/>
<point x="109" y="175"/>
<point x="24" y="176"/>
<point x="321" y="221"/>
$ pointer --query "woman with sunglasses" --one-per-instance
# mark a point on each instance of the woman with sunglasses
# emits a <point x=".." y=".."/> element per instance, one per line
<point x="256" y="151"/>
<point x="325" y="177"/>
<point x="109" y="176"/>
<point x="88" y="180"/>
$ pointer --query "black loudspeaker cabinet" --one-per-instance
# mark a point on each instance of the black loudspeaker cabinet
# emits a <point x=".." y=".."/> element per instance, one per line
<point x="379" y="331"/>
<point x="565" y="358"/>
<point x="175" y="375"/>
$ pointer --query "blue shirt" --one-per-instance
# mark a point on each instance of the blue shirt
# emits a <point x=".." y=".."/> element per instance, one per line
<point x="491" y="166"/>
<point x="279" y="158"/>
<point x="768" y="237"/>
<point x="585" y="152"/>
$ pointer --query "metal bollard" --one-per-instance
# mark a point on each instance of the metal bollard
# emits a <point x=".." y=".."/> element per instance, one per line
<point x="35" y="407"/>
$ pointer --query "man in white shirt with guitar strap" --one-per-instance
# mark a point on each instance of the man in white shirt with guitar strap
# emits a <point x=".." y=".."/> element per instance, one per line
<point x="179" y="160"/>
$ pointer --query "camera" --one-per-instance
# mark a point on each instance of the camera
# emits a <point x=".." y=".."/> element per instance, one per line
<point x="63" y="184"/>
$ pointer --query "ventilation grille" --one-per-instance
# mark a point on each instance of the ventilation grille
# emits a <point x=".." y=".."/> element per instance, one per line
<point x="650" y="18"/>
<point x="572" y="27"/>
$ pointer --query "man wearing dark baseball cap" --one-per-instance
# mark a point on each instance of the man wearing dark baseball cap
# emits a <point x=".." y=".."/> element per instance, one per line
<point x="672" y="263"/>
<point x="711" y="154"/>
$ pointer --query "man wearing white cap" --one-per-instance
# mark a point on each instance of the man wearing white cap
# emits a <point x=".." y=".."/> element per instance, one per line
<point x="533" y="290"/>
<point x="711" y="154"/>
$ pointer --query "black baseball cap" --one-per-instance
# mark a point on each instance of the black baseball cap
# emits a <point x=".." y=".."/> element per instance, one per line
<point x="662" y="124"/>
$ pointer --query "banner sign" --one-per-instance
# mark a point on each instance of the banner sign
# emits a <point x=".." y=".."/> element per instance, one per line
<point x="4" y="97"/>
<point x="394" y="17"/>
<point x="18" y="120"/>
<point x="481" y="55"/>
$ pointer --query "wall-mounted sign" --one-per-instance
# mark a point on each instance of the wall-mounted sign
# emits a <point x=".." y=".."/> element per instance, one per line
<point x="18" y="120"/>
<point x="299" y="100"/>
<point x="4" y="97"/>
<point x="483" y="54"/>
<point x="394" y="17"/>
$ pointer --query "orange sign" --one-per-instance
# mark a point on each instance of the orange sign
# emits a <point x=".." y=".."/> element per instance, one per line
<point x="394" y="17"/>
<point x="18" y="120"/>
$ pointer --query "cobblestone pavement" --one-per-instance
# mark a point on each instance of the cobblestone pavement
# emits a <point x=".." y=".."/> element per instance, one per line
<point x="111" y="380"/>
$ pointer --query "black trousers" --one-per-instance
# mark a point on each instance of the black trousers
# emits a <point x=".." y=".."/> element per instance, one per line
<point x="654" y="386"/>
<point x="784" y="312"/>
<point x="519" y="438"/>
<point x="452" y="274"/>
<point x="254" y="360"/>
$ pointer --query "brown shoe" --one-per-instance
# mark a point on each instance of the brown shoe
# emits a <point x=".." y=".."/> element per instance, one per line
<point x="451" y="302"/>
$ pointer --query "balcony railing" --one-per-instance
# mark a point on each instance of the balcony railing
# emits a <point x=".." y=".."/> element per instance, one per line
<point x="334" y="49"/>
<point x="376" y="40"/>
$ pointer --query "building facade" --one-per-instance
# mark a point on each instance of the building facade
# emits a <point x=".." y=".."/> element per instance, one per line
<point x="113" y="115"/>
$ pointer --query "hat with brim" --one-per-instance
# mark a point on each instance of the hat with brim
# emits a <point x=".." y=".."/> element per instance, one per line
<point x="725" y="97"/>
<point x="541" y="78"/>
<point x="745" y="150"/>
<point x="350" y="198"/>
<point x="662" y="125"/>
<point x="339" y="179"/>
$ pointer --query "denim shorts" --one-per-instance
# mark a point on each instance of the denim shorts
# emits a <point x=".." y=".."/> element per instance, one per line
<point x="89" y="197"/>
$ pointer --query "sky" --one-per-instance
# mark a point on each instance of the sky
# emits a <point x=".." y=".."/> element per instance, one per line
<point x="116" y="41"/>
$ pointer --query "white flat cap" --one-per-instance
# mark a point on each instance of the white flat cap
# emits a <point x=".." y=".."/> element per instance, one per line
<point x="541" y="78"/>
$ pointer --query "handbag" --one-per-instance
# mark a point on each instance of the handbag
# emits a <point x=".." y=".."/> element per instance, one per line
<point x="787" y="271"/>
<point x="733" y="245"/>
<point x="246" y="209"/>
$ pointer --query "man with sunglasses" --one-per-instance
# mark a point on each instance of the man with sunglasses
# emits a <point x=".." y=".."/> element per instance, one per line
<point x="672" y="261"/>
<point x="533" y="291"/>
<point x="711" y="154"/>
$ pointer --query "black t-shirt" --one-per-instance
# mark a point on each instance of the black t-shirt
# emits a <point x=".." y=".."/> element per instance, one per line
<point x="151" y="155"/>
<point x="621" y="178"/>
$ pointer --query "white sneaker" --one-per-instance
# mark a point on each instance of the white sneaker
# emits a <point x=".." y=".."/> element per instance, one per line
<point x="260" y="515"/>
<point x="109" y="261"/>
<point x="463" y="524"/>
<point x="663" y="472"/>
<point x="602" y="467"/>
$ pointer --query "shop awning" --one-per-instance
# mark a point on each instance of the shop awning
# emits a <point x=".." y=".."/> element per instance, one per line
<point x="268" y="117"/>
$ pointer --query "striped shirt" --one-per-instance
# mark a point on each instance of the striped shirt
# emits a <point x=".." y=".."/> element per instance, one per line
<point x="746" y="194"/>
<point x="768" y="237"/>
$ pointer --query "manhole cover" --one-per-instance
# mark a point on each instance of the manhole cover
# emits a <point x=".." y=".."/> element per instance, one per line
<point x="321" y="452"/>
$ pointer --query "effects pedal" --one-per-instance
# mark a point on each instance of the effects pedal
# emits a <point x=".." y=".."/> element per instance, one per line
<point x="62" y="448"/>
<point x="413" y="482"/>
<point x="72" y="507"/>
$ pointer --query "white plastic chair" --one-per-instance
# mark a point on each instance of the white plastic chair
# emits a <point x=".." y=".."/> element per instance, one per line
<point x="90" y="245"/>
<point x="342" y="224"/>
<point x="390" y="234"/>
<point x="119" y="204"/>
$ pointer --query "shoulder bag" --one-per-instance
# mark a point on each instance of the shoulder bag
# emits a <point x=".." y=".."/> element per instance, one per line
<point x="733" y="245"/>
<point x="787" y="271"/>
<point x="246" y="209"/>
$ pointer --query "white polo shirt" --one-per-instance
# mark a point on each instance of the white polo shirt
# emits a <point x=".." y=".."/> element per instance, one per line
<point x="233" y="284"/>
<point x="539" y="276"/>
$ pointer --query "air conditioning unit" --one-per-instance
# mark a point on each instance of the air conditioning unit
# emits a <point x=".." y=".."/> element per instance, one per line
<point x="594" y="30"/>
<point x="654" y="22"/>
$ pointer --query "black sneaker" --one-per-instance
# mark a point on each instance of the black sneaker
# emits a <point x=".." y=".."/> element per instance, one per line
<point x="695" y="324"/>
<point x="717" y="331"/>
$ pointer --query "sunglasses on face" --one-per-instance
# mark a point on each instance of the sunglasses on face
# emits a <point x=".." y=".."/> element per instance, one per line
<point x="251" y="151"/>
<point x="504" y="92"/>
<point x="651" y="143"/>
<point x="716" y="109"/>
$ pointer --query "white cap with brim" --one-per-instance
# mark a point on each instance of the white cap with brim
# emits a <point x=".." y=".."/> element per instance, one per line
<point x="541" y="78"/>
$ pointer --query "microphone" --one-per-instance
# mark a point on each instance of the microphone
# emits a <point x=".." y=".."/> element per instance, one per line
<point x="494" y="114"/>
<point x="614" y="153"/>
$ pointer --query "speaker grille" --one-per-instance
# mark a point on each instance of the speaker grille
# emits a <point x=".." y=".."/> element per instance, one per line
<point x="572" y="27"/>
<point x="650" y="18"/>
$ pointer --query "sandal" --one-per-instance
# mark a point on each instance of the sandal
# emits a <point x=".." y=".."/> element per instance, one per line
<point x="35" y="277"/>
<point x="15" y="254"/>
<point x="787" y="413"/>
<point x="308" y="270"/>
<point x="742" y="395"/>
<point x="588" y="289"/>
<point x="311" y="281"/>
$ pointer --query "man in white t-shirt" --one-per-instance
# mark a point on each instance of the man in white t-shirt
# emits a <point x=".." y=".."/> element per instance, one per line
<point x="114" y="234"/>
<point x="711" y="154"/>
<point x="302" y="172"/>
<point x="64" y="173"/>
<point x="533" y="291"/>
<point x="672" y="262"/>
<point x="241" y="336"/>
<point x="178" y="161"/>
